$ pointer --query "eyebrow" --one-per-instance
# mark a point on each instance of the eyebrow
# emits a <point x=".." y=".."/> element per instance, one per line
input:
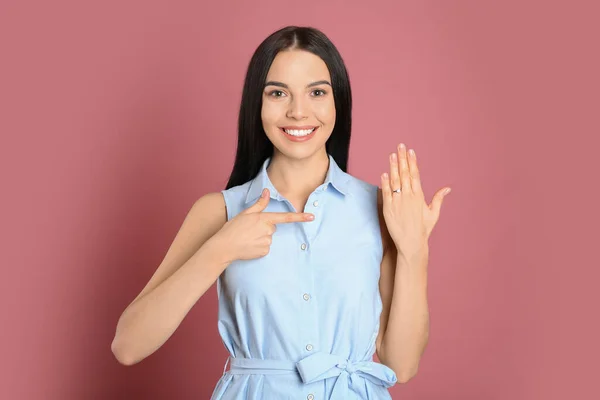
<point x="283" y="85"/>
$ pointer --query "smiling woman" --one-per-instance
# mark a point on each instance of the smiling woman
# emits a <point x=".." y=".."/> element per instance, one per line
<point x="277" y="101"/>
<point x="294" y="243"/>
<point x="284" y="100"/>
<point x="296" y="81"/>
<point x="302" y="321"/>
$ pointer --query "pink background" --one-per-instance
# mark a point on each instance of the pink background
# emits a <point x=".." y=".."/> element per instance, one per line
<point x="117" y="115"/>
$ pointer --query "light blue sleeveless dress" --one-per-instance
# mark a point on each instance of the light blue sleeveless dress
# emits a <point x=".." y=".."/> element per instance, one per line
<point x="301" y="322"/>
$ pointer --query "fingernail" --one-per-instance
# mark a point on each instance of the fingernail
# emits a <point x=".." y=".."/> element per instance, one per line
<point x="310" y="217"/>
<point x="447" y="191"/>
<point x="264" y="193"/>
<point x="411" y="152"/>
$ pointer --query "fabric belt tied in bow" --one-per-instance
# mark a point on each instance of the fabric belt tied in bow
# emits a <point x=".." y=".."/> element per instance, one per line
<point x="320" y="366"/>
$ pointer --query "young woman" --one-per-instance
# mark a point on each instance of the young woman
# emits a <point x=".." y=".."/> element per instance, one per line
<point x="316" y="270"/>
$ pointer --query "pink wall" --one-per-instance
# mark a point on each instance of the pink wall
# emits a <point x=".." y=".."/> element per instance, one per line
<point x="116" y="116"/>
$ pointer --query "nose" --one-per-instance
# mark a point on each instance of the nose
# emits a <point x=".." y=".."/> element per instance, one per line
<point x="297" y="109"/>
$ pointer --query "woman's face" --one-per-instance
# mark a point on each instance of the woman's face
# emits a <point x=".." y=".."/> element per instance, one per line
<point x="298" y="109"/>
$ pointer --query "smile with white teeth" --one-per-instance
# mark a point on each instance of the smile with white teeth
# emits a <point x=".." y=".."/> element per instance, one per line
<point x="299" y="132"/>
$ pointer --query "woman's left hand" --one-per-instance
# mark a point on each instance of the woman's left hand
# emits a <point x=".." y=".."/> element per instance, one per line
<point x="408" y="218"/>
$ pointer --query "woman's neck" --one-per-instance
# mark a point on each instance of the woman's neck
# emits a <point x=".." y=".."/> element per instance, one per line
<point x="298" y="178"/>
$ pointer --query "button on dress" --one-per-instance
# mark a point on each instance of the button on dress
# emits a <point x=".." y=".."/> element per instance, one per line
<point x="301" y="322"/>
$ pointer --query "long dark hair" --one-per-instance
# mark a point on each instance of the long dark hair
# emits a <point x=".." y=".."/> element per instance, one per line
<point x="253" y="145"/>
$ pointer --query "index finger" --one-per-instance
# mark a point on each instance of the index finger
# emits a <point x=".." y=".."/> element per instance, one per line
<point x="287" y="217"/>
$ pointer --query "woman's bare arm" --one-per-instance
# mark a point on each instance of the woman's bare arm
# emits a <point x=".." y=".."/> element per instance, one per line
<point x="192" y="264"/>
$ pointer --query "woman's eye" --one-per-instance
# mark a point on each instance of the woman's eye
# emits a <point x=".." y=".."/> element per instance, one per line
<point x="276" y="93"/>
<point x="319" y="92"/>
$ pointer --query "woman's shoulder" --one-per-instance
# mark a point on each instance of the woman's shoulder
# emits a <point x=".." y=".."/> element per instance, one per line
<point x="236" y="193"/>
<point x="365" y="195"/>
<point x="369" y="192"/>
<point x="235" y="198"/>
<point x="358" y="186"/>
<point x="239" y="189"/>
<point x="209" y="206"/>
